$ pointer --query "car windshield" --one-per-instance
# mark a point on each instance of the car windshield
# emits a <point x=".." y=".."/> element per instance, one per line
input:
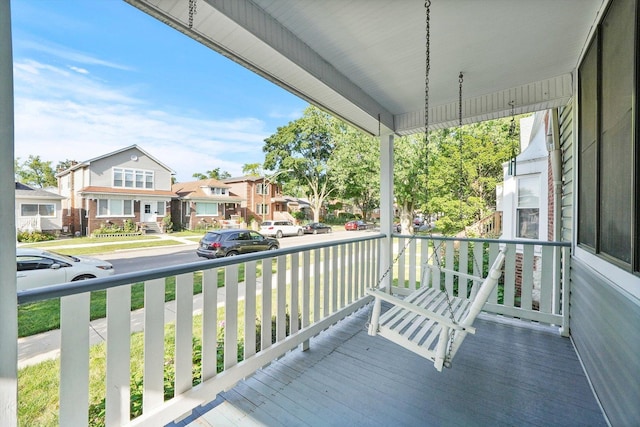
<point x="67" y="258"/>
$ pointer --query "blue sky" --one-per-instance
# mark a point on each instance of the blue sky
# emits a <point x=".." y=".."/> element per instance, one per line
<point x="95" y="76"/>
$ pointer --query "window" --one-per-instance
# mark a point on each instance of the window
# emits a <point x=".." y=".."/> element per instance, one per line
<point x="262" y="189"/>
<point x="262" y="209"/>
<point x="132" y="178"/>
<point x="218" y="191"/>
<point x="115" y="207"/>
<point x="38" y="209"/>
<point x="210" y="209"/>
<point x="608" y="223"/>
<point x="528" y="209"/>
<point x="161" y="209"/>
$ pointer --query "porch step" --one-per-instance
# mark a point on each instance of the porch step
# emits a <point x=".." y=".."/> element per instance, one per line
<point x="152" y="227"/>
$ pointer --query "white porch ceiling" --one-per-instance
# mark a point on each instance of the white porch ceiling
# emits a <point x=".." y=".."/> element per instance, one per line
<point x="364" y="59"/>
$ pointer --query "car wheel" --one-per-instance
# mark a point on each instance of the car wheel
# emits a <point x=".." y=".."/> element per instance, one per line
<point x="83" y="277"/>
<point x="315" y="231"/>
<point x="278" y="234"/>
<point x="231" y="253"/>
<point x="273" y="248"/>
<point x="330" y="230"/>
<point x="300" y="232"/>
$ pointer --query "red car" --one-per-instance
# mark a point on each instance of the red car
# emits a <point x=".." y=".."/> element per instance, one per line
<point x="356" y="225"/>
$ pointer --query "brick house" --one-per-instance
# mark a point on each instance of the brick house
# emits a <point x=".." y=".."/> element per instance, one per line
<point x="125" y="185"/>
<point x="263" y="200"/>
<point x="204" y="203"/>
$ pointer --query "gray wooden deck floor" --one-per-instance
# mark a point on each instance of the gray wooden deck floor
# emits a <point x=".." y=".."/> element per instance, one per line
<point x="505" y="375"/>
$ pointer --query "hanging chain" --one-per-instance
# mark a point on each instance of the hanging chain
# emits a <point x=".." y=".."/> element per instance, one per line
<point x="512" y="134"/>
<point x="193" y="9"/>
<point x="461" y="182"/>
<point x="427" y="70"/>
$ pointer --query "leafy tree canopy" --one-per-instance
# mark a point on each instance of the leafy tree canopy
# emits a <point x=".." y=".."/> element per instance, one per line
<point x="35" y="172"/>
<point x="212" y="174"/>
<point x="304" y="147"/>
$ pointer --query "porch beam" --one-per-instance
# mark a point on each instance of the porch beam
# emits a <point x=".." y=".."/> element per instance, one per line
<point x="8" y="285"/>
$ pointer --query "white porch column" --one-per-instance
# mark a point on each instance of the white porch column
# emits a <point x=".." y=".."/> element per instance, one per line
<point x="8" y="286"/>
<point x="386" y="207"/>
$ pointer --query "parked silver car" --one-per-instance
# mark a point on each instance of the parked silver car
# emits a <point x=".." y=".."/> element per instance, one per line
<point x="280" y="228"/>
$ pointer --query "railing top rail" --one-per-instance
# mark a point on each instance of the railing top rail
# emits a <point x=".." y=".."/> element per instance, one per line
<point x="102" y="283"/>
<point x="479" y="239"/>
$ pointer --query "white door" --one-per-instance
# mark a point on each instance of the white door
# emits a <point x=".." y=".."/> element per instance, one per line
<point x="148" y="213"/>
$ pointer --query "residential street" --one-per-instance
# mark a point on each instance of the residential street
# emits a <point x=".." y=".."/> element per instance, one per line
<point x="37" y="348"/>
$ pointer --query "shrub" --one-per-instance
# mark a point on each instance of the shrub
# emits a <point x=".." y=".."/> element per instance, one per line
<point x="34" y="236"/>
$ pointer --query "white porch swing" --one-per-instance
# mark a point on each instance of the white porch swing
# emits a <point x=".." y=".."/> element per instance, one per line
<point x="429" y="321"/>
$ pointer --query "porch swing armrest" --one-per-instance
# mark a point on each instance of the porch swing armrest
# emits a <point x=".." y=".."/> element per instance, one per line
<point x="420" y="310"/>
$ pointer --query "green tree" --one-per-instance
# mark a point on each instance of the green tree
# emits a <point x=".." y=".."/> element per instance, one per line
<point x="212" y="174"/>
<point x="65" y="164"/>
<point x="409" y="177"/>
<point x="304" y="146"/>
<point x="355" y="168"/>
<point x="465" y="166"/>
<point x="252" y="169"/>
<point x="36" y="172"/>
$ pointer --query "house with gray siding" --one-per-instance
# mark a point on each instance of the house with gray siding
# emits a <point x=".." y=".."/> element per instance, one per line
<point x="128" y="184"/>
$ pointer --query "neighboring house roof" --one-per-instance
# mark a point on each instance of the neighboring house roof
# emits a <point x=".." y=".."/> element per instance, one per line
<point x="140" y="192"/>
<point x="23" y="191"/>
<point x="194" y="190"/>
<point x="244" y="178"/>
<point x="88" y="162"/>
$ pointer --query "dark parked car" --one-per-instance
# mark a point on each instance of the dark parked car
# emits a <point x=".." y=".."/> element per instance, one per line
<point x="356" y="225"/>
<point x="317" y="227"/>
<point x="221" y="243"/>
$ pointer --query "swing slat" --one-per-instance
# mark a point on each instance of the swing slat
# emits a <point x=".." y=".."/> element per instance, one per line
<point x="421" y="322"/>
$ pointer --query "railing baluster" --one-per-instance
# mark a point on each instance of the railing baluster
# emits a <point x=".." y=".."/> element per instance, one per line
<point x="153" y="378"/>
<point x="74" y="359"/>
<point x="118" y="355"/>
<point x="281" y="295"/>
<point x="316" y="285"/>
<point x="510" y="277"/>
<point x="450" y="256"/>
<point x="401" y="263"/>
<point x="231" y="315"/>
<point x="326" y="275"/>
<point x="335" y="286"/>
<point x="548" y="284"/>
<point x="209" y="322"/>
<point x="526" y="287"/>
<point x="265" y="318"/>
<point x="306" y="288"/>
<point x="463" y="267"/>
<point x="184" y="333"/>
<point x="250" y="309"/>
<point x="295" y="299"/>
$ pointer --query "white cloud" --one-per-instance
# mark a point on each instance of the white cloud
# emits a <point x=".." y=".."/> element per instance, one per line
<point x="60" y="114"/>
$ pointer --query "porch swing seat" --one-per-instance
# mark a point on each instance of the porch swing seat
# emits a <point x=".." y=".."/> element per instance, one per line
<point x="422" y="321"/>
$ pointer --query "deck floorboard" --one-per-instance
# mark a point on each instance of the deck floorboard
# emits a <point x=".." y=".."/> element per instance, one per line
<point x="505" y="375"/>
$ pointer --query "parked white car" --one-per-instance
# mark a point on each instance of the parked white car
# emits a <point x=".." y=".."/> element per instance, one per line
<point x="37" y="267"/>
<point x="280" y="228"/>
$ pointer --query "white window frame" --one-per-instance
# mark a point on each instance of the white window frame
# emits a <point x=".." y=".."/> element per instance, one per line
<point x="39" y="205"/>
<point x="529" y="206"/>
<point x="132" y="178"/>
<point x="262" y="208"/>
<point x="263" y="189"/>
<point x="111" y="206"/>
<point x="201" y="204"/>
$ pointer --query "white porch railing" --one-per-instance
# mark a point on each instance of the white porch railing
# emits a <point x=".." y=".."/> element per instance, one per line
<point x="265" y="294"/>
<point x="28" y="223"/>
<point x="534" y="286"/>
